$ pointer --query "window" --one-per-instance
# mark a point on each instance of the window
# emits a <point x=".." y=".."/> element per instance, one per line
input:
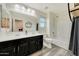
<point x="42" y="22"/>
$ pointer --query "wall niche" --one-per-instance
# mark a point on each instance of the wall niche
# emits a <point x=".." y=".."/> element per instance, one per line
<point x="18" y="26"/>
<point x="5" y="23"/>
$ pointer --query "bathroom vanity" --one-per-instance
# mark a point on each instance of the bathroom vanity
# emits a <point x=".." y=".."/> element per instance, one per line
<point x="20" y="45"/>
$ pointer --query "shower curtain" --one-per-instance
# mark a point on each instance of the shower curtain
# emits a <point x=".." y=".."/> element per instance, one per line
<point x="74" y="39"/>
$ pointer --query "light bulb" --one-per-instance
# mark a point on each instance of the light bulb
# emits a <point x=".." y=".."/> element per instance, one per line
<point x="17" y="6"/>
<point x="23" y="8"/>
<point x="29" y="10"/>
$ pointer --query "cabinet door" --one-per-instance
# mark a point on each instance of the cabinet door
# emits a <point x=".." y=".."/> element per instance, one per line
<point x="8" y="48"/>
<point x="36" y="43"/>
<point x="39" y="42"/>
<point x="32" y="45"/>
<point x="9" y="51"/>
<point x="23" y="47"/>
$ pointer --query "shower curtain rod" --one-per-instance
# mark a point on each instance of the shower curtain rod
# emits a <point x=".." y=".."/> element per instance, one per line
<point x="74" y="10"/>
<point x="69" y="12"/>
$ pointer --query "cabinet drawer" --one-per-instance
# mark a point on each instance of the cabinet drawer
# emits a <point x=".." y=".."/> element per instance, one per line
<point x="10" y="51"/>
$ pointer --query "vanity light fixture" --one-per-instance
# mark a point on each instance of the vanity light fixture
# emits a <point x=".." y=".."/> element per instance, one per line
<point x="23" y="8"/>
<point x="17" y="7"/>
<point x="28" y="10"/>
<point x="33" y="12"/>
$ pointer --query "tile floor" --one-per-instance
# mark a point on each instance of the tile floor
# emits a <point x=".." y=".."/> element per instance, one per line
<point x="54" y="51"/>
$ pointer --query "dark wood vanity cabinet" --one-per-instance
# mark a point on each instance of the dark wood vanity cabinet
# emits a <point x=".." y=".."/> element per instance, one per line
<point x="22" y="46"/>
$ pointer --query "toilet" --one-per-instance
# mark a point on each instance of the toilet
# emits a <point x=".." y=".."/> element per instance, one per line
<point x="47" y="42"/>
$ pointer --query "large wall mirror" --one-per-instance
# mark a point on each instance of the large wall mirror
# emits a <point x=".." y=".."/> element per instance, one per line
<point x="17" y="18"/>
<point x="21" y="17"/>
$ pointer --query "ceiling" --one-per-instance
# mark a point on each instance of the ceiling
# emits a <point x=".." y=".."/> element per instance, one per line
<point x="53" y="7"/>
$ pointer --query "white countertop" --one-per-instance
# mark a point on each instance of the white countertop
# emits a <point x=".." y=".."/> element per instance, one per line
<point x="15" y="35"/>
